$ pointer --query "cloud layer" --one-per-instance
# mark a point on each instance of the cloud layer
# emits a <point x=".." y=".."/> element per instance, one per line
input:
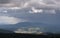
<point x="29" y="30"/>
<point x="52" y="4"/>
<point x="37" y="4"/>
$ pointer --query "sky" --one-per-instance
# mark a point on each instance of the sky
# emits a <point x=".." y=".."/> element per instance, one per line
<point x="29" y="11"/>
<point x="26" y="3"/>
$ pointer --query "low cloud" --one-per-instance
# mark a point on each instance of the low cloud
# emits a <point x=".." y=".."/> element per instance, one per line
<point x="29" y="30"/>
<point x="35" y="10"/>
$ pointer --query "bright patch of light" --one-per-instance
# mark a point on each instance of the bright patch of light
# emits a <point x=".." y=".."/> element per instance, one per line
<point x="36" y="10"/>
<point x="9" y="20"/>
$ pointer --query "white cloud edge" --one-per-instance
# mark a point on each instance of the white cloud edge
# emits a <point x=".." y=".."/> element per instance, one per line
<point x="10" y="20"/>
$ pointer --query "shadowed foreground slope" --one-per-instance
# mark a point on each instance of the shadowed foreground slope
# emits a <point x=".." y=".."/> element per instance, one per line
<point x="21" y="35"/>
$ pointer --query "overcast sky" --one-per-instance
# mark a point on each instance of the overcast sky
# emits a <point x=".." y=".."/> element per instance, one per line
<point x="30" y="10"/>
<point x="53" y="3"/>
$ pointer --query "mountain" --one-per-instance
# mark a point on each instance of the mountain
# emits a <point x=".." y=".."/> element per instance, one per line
<point x="43" y="27"/>
<point x="22" y="24"/>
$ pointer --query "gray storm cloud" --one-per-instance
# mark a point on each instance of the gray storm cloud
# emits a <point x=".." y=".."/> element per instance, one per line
<point x="4" y="1"/>
<point x="44" y="4"/>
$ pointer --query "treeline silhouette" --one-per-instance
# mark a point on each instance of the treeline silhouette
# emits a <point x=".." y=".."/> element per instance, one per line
<point x="22" y="35"/>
